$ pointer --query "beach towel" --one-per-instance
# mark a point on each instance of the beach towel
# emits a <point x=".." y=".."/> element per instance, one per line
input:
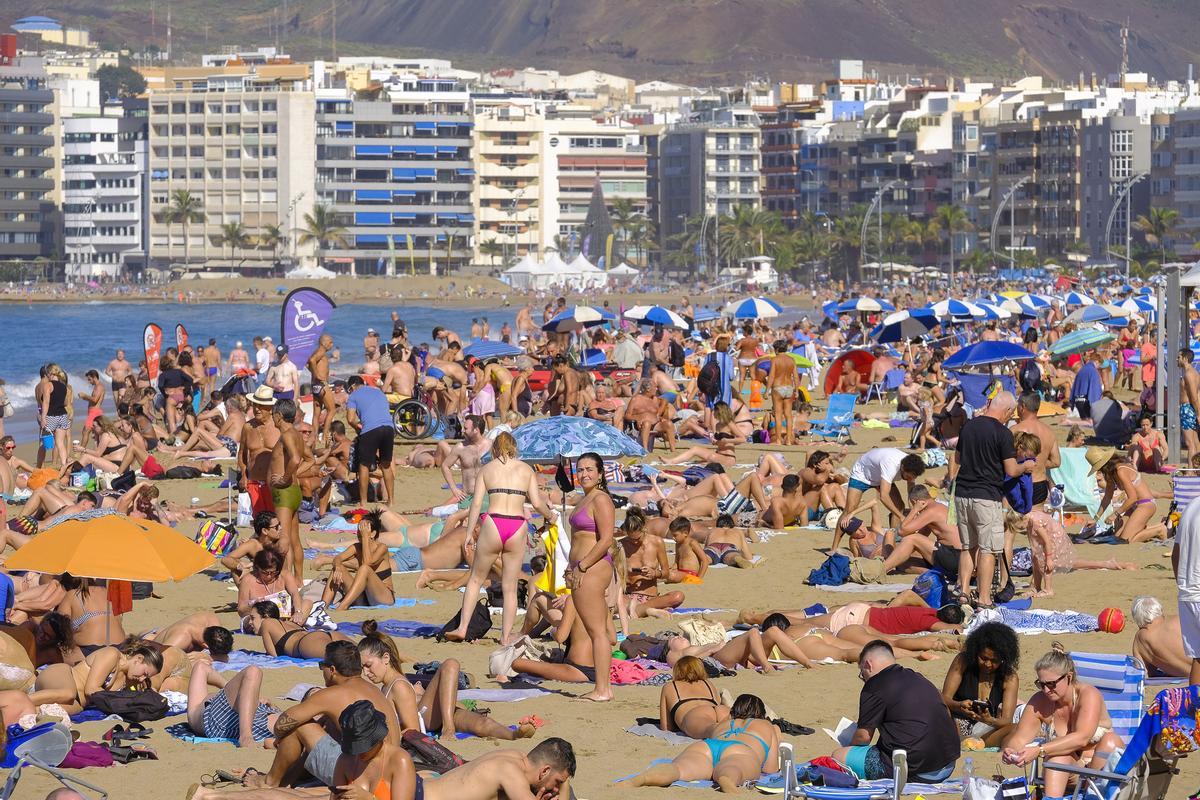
<point x="240" y="659"/>
<point x="184" y="733"/>
<point x="334" y="522"/>
<point x="655" y="732"/>
<point x="875" y="588"/>
<point x="1035" y="621"/>
<point x="834" y="571"/>
<point x="698" y="610"/>
<point x="682" y="784"/>
<point x="1079" y="487"/>
<point x="400" y="628"/>
<point x="501" y="695"/>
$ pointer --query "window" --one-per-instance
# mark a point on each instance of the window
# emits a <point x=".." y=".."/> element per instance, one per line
<point x="233" y="152"/>
<point x="1121" y="141"/>
<point x="196" y="108"/>
<point x="1121" y="167"/>
<point x="270" y="127"/>
<point x="268" y="105"/>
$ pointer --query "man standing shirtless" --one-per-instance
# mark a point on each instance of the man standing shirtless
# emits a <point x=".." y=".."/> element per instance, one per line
<point x="212" y="366"/>
<point x="118" y="370"/>
<point x="284" y="378"/>
<point x="466" y="455"/>
<point x="1189" y="393"/>
<point x="318" y="370"/>
<point x="289" y="460"/>
<point x="1049" y="457"/>
<point x="259" y="437"/>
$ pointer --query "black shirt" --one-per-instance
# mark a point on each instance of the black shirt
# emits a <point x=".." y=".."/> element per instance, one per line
<point x="983" y="446"/>
<point x="909" y="714"/>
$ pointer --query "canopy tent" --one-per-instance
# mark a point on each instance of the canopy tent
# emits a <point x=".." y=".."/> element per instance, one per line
<point x="624" y="270"/>
<point x="311" y="273"/>
<point x="553" y="271"/>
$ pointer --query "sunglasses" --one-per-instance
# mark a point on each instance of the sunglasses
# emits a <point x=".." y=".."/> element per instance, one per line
<point x="1050" y="684"/>
<point x="10" y="447"/>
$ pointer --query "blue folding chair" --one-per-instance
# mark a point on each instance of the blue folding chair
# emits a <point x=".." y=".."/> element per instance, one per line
<point x="974" y="387"/>
<point x="839" y="416"/>
<point x="893" y="379"/>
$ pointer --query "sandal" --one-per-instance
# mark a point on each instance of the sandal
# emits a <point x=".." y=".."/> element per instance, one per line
<point x="218" y="778"/>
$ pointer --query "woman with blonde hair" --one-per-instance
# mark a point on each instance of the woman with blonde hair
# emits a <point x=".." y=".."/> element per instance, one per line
<point x="506" y="483"/>
<point x="55" y="412"/>
<point x="1052" y="549"/>
<point x="690" y="704"/>
<point x="1066" y="722"/>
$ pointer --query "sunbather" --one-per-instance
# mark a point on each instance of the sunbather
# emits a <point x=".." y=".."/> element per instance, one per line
<point x="282" y="637"/>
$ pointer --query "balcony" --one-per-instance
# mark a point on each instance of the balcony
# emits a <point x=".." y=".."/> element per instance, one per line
<point x="26" y="118"/>
<point x="494" y="147"/>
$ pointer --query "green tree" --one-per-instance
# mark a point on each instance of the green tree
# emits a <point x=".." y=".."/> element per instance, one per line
<point x="624" y="216"/>
<point x="234" y="236"/>
<point x="273" y="238"/>
<point x="492" y="249"/>
<point x="184" y="208"/>
<point x="120" y="80"/>
<point x="321" y="229"/>
<point x="1158" y="227"/>
<point x="947" y="221"/>
<point x="643" y="239"/>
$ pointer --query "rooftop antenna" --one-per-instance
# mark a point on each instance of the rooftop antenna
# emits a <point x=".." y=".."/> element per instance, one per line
<point x="334" y="37"/>
<point x="1125" y="48"/>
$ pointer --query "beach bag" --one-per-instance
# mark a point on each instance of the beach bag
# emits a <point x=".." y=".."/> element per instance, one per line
<point x="677" y="355"/>
<point x="216" y="538"/>
<point x="1022" y="563"/>
<point x="709" y="379"/>
<point x="865" y="570"/>
<point x="87" y="754"/>
<point x="130" y="705"/>
<point x="180" y="473"/>
<point x="1005" y="593"/>
<point x="480" y="623"/>
<point x="701" y="632"/>
<point x="245" y="510"/>
<point x="428" y="753"/>
<point x="931" y="586"/>
<point x="976" y="788"/>
<point x="123" y="482"/>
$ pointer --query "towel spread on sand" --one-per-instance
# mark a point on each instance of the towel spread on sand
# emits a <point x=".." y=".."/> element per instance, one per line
<point x="670" y="737"/>
<point x="400" y="628"/>
<point x="184" y="732"/>
<point x="501" y="695"/>
<point x="240" y="659"/>
<point x="1034" y="621"/>
<point x="878" y="588"/>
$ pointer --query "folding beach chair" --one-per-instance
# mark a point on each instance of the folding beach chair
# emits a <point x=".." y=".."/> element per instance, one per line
<point x="1185" y="487"/>
<point x="44" y="748"/>
<point x="839" y="416"/>
<point x="1078" y="491"/>
<point x="793" y="789"/>
<point x="893" y="379"/>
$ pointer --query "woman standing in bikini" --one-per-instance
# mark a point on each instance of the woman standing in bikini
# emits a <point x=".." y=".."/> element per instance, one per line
<point x="590" y="569"/>
<point x="1139" y="507"/>
<point x="781" y="383"/>
<point x="508" y="484"/>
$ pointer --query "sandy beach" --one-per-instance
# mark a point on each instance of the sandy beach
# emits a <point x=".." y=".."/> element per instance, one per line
<point x="816" y="697"/>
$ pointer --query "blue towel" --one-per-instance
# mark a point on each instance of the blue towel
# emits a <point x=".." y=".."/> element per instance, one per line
<point x="184" y="732"/>
<point x="240" y="659"/>
<point x="94" y="714"/>
<point x="833" y="572"/>
<point x="400" y="628"/>
<point x="401" y="602"/>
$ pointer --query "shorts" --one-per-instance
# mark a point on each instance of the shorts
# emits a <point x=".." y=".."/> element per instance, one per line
<point x="373" y="448"/>
<point x="1041" y="492"/>
<point x="221" y="720"/>
<point x="862" y="486"/>
<point x="1189" y="625"/>
<point x="62" y="422"/>
<point x="980" y="523"/>
<point x="322" y="759"/>
<point x="868" y="762"/>
<point x="408" y="559"/>
<point x="94" y="413"/>
<point x="717" y="552"/>
<point x="1187" y="417"/>
<point x="261" y="497"/>
<point x="212" y="372"/>
<point x="285" y="396"/>
<point x="946" y="560"/>
<point x="228" y="443"/>
<point x="288" y="497"/>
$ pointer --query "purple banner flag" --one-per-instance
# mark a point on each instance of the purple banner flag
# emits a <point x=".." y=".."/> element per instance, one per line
<point x="302" y="320"/>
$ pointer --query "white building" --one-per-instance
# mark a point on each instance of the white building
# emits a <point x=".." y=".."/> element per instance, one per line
<point x="104" y="194"/>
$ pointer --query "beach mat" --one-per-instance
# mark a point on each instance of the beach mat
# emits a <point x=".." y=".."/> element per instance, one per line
<point x="682" y="784"/>
<point x="400" y="628"/>
<point x="501" y="695"/>
<point x="655" y="732"/>
<point x="882" y="588"/>
<point x="184" y="733"/>
<point x="700" y="610"/>
<point x="240" y="659"/>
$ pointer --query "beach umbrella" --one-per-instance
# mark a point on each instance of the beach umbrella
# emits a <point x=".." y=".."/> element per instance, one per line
<point x="657" y="315"/>
<point x="1145" y="290"/>
<point x="861" y="360"/>
<point x="904" y="325"/>
<point x="706" y="315"/>
<point x="485" y="349"/>
<point x="753" y="308"/>
<point x="830" y="309"/>
<point x="1037" y="302"/>
<point x="545" y="440"/>
<point x="1094" y="313"/>
<point x="1077" y="299"/>
<point x="1012" y="294"/>
<point x="995" y="312"/>
<point x="576" y="317"/>
<point x="984" y="353"/>
<point x="1138" y="305"/>
<point x="865" y="304"/>
<point x="956" y="308"/>
<point x="1080" y="341"/>
<point x="110" y="546"/>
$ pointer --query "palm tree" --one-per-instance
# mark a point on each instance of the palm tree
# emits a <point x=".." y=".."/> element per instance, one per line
<point x="1158" y="226"/>
<point x="234" y="235"/>
<point x="321" y="228"/>
<point x="642" y="239"/>
<point x="184" y="208"/>
<point x="623" y="215"/>
<point x="949" y="220"/>
<point x="273" y="238"/>
<point x="845" y="237"/>
<point x="491" y="248"/>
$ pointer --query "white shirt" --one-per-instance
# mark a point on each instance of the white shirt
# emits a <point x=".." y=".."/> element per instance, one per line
<point x="1187" y="542"/>
<point x="878" y="465"/>
<point x="262" y="359"/>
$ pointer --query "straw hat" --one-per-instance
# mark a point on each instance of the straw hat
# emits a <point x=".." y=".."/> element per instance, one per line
<point x="263" y="396"/>
<point x="1097" y="457"/>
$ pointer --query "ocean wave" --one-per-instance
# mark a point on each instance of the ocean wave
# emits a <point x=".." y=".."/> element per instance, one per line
<point x="20" y="393"/>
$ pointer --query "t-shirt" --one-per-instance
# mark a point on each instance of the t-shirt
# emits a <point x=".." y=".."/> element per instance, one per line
<point x="371" y="405"/>
<point x="899" y="620"/>
<point x="878" y="465"/>
<point x="983" y="446"/>
<point x="908" y="712"/>
<point x="262" y="359"/>
<point x="1087" y="385"/>
<point x="1187" y="578"/>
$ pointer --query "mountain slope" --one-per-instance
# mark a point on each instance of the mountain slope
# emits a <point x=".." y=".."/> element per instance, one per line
<point x="692" y="40"/>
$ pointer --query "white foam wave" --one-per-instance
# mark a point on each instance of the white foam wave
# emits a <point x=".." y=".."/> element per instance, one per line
<point x="20" y="394"/>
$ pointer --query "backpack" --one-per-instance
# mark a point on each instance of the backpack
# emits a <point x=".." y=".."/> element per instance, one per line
<point x="429" y="753"/>
<point x="931" y="586"/>
<point x="709" y="379"/>
<point x="130" y="705"/>
<point x="676" y="357"/>
<point x="1030" y="377"/>
<point x="481" y="623"/>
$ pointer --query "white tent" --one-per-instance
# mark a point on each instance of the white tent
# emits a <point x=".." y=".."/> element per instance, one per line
<point x="520" y="275"/>
<point x="625" y="270"/>
<point x="311" y="273"/>
<point x="582" y="265"/>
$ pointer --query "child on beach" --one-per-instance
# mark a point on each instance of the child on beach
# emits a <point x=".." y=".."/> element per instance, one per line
<point x="1019" y="490"/>
<point x="1052" y="550"/>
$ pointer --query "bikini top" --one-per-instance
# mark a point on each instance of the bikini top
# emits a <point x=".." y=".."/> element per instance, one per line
<point x="506" y="490"/>
<point x="582" y="521"/>
<point x="675" y="706"/>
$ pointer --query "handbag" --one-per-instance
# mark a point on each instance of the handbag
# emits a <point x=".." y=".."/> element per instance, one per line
<point x="130" y="705"/>
<point x="428" y="753"/>
<point x="245" y="510"/>
<point x="216" y="538"/>
<point x="701" y="632"/>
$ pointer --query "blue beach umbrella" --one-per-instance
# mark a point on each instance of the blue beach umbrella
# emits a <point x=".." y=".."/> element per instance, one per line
<point x="706" y="315"/>
<point x="657" y="315"/>
<point x="904" y="325"/>
<point x="1139" y="305"/>
<point x="485" y="349"/>
<point x="578" y="316"/>
<point x="544" y="440"/>
<point x="753" y="308"/>
<point x="1080" y="341"/>
<point x="830" y="309"/>
<point x="864" y="304"/>
<point x="956" y="308"/>
<point x="1078" y="299"/>
<point x="1037" y="302"/>
<point x="982" y="354"/>
<point x="994" y="311"/>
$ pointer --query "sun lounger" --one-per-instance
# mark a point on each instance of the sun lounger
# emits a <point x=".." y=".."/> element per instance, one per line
<point x="839" y="416"/>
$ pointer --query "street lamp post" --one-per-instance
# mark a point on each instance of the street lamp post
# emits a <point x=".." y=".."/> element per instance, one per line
<point x="1012" y="221"/>
<point x="876" y="204"/>
<point x="1125" y="194"/>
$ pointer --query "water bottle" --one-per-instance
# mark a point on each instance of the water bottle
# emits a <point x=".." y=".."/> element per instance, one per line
<point x="968" y="768"/>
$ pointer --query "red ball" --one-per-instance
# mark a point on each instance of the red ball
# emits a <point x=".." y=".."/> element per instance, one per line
<point x="1111" y="620"/>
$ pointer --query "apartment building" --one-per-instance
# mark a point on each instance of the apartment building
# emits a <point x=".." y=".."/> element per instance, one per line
<point x="710" y="167"/>
<point x="30" y="155"/>
<point x="1115" y="151"/>
<point x="241" y="139"/>
<point x="399" y="173"/>
<point x="105" y="218"/>
<point x="508" y="161"/>
<point x="1176" y="175"/>
<point x="791" y="177"/>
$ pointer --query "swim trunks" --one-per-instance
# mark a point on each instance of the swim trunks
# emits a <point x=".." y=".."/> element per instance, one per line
<point x="93" y="414"/>
<point x="288" y="497"/>
<point x="260" y="496"/>
<point x="228" y="442"/>
<point x="317" y="389"/>
<point x="408" y="559"/>
<point x="212" y="372"/>
<point x="221" y="720"/>
<point x="1187" y="417"/>
<point x="285" y="395"/>
<point x="322" y="759"/>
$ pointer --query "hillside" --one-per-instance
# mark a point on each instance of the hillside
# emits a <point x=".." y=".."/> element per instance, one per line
<point x="691" y="40"/>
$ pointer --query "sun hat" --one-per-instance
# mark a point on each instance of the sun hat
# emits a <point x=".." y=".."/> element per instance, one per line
<point x="1097" y="457"/>
<point x="263" y="396"/>
<point x="363" y="726"/>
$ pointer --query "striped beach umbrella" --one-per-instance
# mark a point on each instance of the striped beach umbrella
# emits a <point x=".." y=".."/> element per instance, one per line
<point x="578" y="316"/>
<point x="753" y="308"/>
